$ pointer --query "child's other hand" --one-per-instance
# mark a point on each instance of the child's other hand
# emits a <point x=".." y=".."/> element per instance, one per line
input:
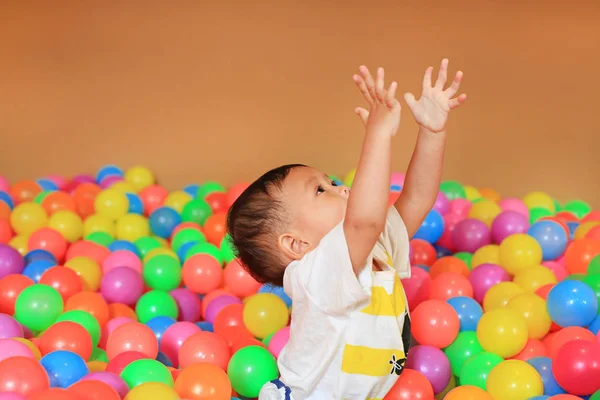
<point x="431" y="110"/>
<point x="384" y="109"/>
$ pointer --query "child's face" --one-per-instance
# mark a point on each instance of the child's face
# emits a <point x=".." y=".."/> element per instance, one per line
<point x="316" y="206"/>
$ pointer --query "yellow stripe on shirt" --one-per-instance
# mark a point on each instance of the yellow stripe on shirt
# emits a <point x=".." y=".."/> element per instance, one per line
<point x="368" y="361"/>
<point x="384" y="304"/>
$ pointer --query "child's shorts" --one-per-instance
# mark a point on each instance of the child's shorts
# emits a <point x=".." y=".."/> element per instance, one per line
<point x="275" y="390"/>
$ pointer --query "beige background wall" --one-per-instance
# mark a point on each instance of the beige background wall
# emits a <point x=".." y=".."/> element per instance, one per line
<point x="226" y="89"/>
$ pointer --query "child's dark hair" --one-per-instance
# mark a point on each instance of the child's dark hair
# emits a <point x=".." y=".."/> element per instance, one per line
<point x="254" y="223"/>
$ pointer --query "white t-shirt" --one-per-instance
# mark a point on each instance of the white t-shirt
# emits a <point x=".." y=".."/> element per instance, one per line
<point x="349" y="335"/>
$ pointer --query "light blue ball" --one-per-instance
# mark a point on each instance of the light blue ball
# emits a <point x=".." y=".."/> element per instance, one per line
<point x="468" y="310"/>
<point x="543" y="365"/>
<point x="432" y="227"/>
<point x="572" y="303"/>
<point x="64" y="368"/>
<point x="552" y="238"/>
<point x="163" y="221"/>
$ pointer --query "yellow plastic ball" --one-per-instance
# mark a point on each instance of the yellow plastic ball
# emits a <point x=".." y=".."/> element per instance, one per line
<point x="68" y="223"/>
<point x="532" y="278"/>
<point x="265" y="313"/>
<point x="88" y="270"/>
<point x="19" y="243"/>
<point x="131" y="227"/>
<point x="500" y="294"/>
<point x="152" y="391"/>
<point x="485" y="211"/>
<point x="34" y="349"/>
<point x="349" y="179"/>
<point x="472" y="193"/>
<point x="488" y="254"/>
<point x="97" y="366"/>
<point x="140" y="177"/>
<point x="503" y="332"/>
<point x="518" y="252"/>
<point x="514" y="380"/>
<point x="28" y="218"/>
<point x="111" y="204"/>
<point x="539" y="200"/>
<point x="533" y="309"/>
<point x="584" y="228"/>
<point x="123" y="187"/>
<point x="99" y="223"/>
<point x="160" y="251"/>
<point x="177" y="200"/>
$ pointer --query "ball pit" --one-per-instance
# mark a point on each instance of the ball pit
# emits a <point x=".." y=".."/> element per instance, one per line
<point x="112" y="286"/>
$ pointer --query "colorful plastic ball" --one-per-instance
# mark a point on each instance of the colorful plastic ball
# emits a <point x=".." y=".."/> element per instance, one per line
<point x="64" y="280"/>
<point x="132" y="336"/>
<point x="204" y="347"/>
<point x="239" y="281"/>
<point x="422" y="252"/>
<point x="467" y="393"/>
<point x="24" y="191"/>
<point x="579" y="254"/>
<point x="146" y="370"/>
<point x="519" y="251"/>
<point x="174" y="337"/>
<point x="84" y="319"/>
<point x="502" y="331"/>
<point x="6" y="232"/>
<point x="98" y="223"/>
<point x="50" y="240"/>
<point x="159" y="325"/>
<point x="64" y="368"/>
<point x="108" y="378"/>
<point x="122" y="285"/>
<point x="464" y="346"/>
<point x="453" y="190"/>
<point x="416" y="287"/>
<point x="572" y="303"/>
<point x="36" y="269"/>
<point x="533" y="309"/>
<point x="552" y="238"/>
<point x="577" y="367"/>
<point x="250" y="368"/>
<point x="203" y="381"/>
<point x="508" y="223"/>
<point x="536" y="214"/>
<point x="448" y="285"/>
<point x="161" y="251"/>
<point x="88" y="270"/>
<point x="162" y="273"/>
<point x="578" y="207"/>
<point x="411" y="385"/>
<point x="209" y="187"/>
<point x="14" y="348"/>
<point x="132" y="227"/>
<point x="38" y="306"/>
<point x="215" y="305"/>
<point x="22" y="375"/>
<point x="460" y="207"/>
<point x="153" y="197"/>
<point x="514" y="379"/>
<point x="112" y="204"/>
<point x="140" y="177"/>
<point x="197" y="210"/>
<point x="264" y="314"/>
<point x="108" y="170"/>
<point x="177" y="200"/>
<point x="90" y="302"/>
<point x="163" y="221"/>
<point x="5" y="197"/>
<point x="135" y="204"/>
<point x="118" y="245"/>
<point x="231" y="315"/>
<point x="215" y="227"/>
<point x="101" y="238"/>
<point x="470" y="234"/>
<point x="116" y="365"/>
<point x="68" y="224"/>
<point x="583" y="229"/>
<point x="122" y="258"/>
<point x="488" y="254"/>
<point x="86" y="249"/>
<point x="533" y="348"/>
<point x="432" y="227"/>
<point x="543" y="365"/>
<point x="485" y="211"/>
<point x="468" y="310"/>
<point x="11" y="262"/>
<point x="432" y="363"/>
<point x="188" y="304"/>
<point x="93" y="390"/>
<point x="187" y="235"/>
<point x="28" y="217"/>
<point x="532" y="278"/>
<point x="191" y="189"/>
<point x="278" y="341"/>
<point x="10" y="288"/>
<point x="66" y="335"/>
<point x="217" y="202"/>
<point x="476" y="369"/>
<point x="19" y="243"/>
<point x="435" y="323"/>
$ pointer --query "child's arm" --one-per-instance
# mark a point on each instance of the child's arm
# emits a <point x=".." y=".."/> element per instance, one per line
<point x="367" y="204"/>
<point x="425" y="169"/>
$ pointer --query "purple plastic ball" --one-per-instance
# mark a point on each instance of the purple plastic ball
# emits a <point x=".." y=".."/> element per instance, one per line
<point x="470" y="234"/>
<point x="190" y="306"/>
<point x="11" y="261"/>
<point x="113" y="380"/>
<point x="431" y="362"/>
<point x="484" y="276"/>
<point x="508" y="223"/>
<point x="217" y="304"/>
<point x="122" y="285"/>
<point x="9" y="327"/>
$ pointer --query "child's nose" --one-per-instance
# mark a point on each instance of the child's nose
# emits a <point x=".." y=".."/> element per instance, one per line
<point x="344" y="191"/>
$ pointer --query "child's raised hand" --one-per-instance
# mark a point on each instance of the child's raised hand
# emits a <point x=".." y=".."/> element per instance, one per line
<point x="384" y="108"/>
<point x="431" y="110"/>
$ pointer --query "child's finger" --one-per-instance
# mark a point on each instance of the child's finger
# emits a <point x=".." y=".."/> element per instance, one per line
<point x="379" y="82"/>
<point x="362" y="114"/>
<point x="442" y="75"/>
<point x="453" y="103"/>
<point x="427" y="78"/>
<point x="453" y="89"/>
<point x="366" y="75"/>
<point x="410" y="100"/>
<point x="390" y="97"/>
<point x="360" y="82"/>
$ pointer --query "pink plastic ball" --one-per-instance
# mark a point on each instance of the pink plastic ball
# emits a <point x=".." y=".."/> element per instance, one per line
<point x="416" y="287"/>
<point x="217" y="304"/>
<point x="110" y="180"/>
<point x="279" y="340"/>
<point x="9" y="327"/>
<point x="122" y="285"/>
<point x="122" y="258"/>
<point x="13" y="348"/>
<point x="514" y="204"/>
<point x="188" y="303"/>
<point x="397" y="179"/>
<point x="508" y="223"/>
<point x="173" y="339"/>
<point x="59" y="181"/>
<point x="442" y="204"/>
<point x="4" y="184"/>
<point x="559" y="270"/>
<point x="460" y="207"/>
<point x="470" y="234"/>
<point x="484" y="276"/>
<point x="450" y="221"/>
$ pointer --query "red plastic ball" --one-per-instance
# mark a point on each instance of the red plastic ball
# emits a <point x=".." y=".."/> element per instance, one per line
<point x="50" y="240"/>
<point x="64" y="280"/>
<point x="10" y="288"/>
<point x="422" y="252"/>
<point x="66" y="335"/>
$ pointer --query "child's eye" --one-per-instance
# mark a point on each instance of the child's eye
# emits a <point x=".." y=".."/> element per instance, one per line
<point x="320" y="189"/>
<point x="334" y="183"/>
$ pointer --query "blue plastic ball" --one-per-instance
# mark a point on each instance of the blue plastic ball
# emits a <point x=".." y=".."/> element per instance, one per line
<point x="442" y="251"/>
<point x="164" y="359"/>
<point x="423" y="267"/>
<point x="135" y="204"/>
<point x="572" y="303"/>
<point x="191" y="189"/>
<point x="552" y="238"/>
<point x="47" y="185"/>
<point x="64" y="368"/>
<point x="277" y="290"/>
<point x="5" y="197"/>
<point x="468" y="310"/>
<point x="543" y="365"/>
<point x="108" y="170"/>
<point x="432" y="227"/>
<point x="184" y="249"/>
<point x="163" y="221"/>
<point x="159" y="325"/>
<point x="39" y="254"/>
<point x="36" y="269"/>
<point x="205" y="326"/>
<point x="123" y="245"/>
<point x="595" y="325"/>
<point x="572" y="225"/>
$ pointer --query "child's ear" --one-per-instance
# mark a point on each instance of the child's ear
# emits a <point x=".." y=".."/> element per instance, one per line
<point x="292" y="246"/>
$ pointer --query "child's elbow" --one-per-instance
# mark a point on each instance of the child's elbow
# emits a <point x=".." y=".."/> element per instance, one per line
<point x="367" y="227"/>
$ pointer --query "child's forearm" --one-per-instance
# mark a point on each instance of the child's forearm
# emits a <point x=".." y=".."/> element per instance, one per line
<point x="422" y="179"/>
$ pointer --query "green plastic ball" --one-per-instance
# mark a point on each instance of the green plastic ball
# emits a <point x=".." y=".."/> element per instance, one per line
<point x="187" y="235"/>
<point x="146" y="370"/>
<point x="155" y="303"/>
<point x="146" y="244"/>
<point x="250" y="368"/>
<point x="162" y="272"/>
<point x="593" y="281"/>
<point x="38" y="306"/>
<point x="464" y="346"/>
<point x="209" y="187"/>
<point x="101" y="238"/>
<point x="575" y="277"/>
<point x="267" y="339"/>
<point x="39" y="198"/>
<point x="453" y="190"/>
<point x="227" y="250"/>
<point x="85" y="319"/>
<point x="594" y="266"/>
<point x="197" y="210"/>
<point x="464" y="257"/>
<point x="596" y="396"/>
<point x="577" y="207"/>
<point x="99" y="354"/>
<point x="205" y="248"/>
<point x="535" y="214"/>
<point x="476" y="369"/>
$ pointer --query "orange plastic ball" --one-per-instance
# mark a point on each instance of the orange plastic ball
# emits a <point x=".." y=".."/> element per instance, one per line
<point x="215" y="227"/>
<point x="116" y="310"/>
<point x="50" y="240"/>
<point x="91" y="302"/>
<point x="231" y="315"/>
<point x="132" y="336"/>
<point x="64" y="280"/>
<point x="58" y="201"/>
<point x="84" y="196"/>
<point x="579" y="254"/>
<point x="449" y="264"/>
<point x="435" y="323"/>
<point x="153" y="197"/>
<point x="238" y="281"/>
<point x="202" y="273"/>
<point x="203" y="381"/>
<point x="24" y="191"/>
<point x="205" y="347"/>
